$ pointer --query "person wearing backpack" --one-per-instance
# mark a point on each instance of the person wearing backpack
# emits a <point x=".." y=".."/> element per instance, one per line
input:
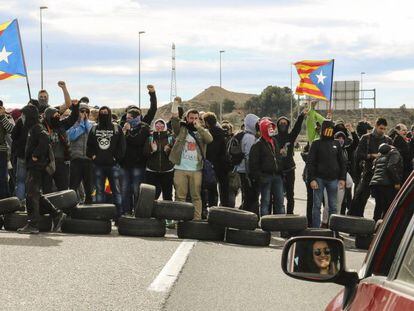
<point x="246" y="139"/>
<point x="286" y="141"/>
<point x="106" y="148"/>
<point x="37" y="159"/>
<point x="265" y="169"/>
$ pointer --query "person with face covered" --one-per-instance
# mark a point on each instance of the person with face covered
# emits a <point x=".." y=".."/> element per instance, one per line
<point x="136" y="130"/>
<point x="43" y="99"/>
<point x="326" y="170"/>
<point x="37" y="158"/>
<point x="56" y="129"/>
<point x="106" y="148"/>
<point x="160" y="170"/>
<point x="187" y="156"/>
<point x="286" y="141"/>
<point x="265" y="169"/>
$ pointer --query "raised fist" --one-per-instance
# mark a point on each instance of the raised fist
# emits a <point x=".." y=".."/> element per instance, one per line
<point x="62" y="84"/>
<point x="178" y="99"/>
<point x="150" y="88"/>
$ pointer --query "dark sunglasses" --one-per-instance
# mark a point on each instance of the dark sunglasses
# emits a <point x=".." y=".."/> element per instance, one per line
<point x="326" y="251"/>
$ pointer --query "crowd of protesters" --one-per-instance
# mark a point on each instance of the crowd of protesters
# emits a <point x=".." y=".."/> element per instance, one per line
<point x="88" y="149"/>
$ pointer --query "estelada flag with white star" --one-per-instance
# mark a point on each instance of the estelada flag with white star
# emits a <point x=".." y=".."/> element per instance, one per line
<point x="11" y="53"/>
<point x="315" y="78"/>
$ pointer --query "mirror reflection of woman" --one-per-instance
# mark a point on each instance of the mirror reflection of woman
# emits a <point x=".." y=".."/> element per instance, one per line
<point x="322" y="258"/>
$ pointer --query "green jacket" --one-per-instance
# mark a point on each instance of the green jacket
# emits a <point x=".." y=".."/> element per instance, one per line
<point x="180" y="131"/>
<point x="311" y="119"/>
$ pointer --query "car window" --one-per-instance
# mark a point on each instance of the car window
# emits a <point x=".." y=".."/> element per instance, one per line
<point x="406" y="273"/>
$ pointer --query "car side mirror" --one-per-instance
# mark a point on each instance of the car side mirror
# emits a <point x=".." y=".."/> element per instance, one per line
<point x="317" y="259"/>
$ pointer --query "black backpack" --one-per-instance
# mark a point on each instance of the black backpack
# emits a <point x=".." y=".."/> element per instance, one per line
<point x="234" y="154"/>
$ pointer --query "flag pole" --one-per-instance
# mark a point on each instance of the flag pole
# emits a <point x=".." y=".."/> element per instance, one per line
<point x="291" y="95"/>
<point x="332" y="78"/>
<point x="24" y="61"/>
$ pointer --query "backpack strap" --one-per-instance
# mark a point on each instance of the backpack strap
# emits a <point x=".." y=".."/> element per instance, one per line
<point x="198" y="143"/>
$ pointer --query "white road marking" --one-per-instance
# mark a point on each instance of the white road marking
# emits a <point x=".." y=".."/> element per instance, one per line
<point x="169" y="274"/>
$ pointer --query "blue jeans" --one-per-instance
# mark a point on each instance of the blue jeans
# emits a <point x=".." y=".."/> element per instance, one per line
<point x="21" y="179"/>
<point x="331" y="187"/>
<point x="131" y="179"/>
<point x="113" y="175"/>
<point x="271" y="187"/>
<point x="4" y="176"/>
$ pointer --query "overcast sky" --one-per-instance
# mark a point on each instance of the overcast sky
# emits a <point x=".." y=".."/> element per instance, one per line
<point x="93" y="46"/>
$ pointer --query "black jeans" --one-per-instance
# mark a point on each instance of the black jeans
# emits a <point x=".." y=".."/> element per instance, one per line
<point x="60" y="177"/>
<point x="81" y="171"/>
<point x="289" y="186"/>
<point x="210" y="196"/>
<point x="309" y="203"/>
<point x="163" y="183"/>
<point x="250" y="195"/>
<point x="361" y="196"/>
<point x="383" y="198"/>
<point x="34" y="180"/>
<point x="4" y="173"/>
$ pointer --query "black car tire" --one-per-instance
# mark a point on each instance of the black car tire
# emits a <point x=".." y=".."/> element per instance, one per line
<point x="10" y="205"/>
<point x="363" y="241"/>
<point x="248" y="237"/>
<point x="17" y="220"/>
<point x="145" y="202"/>
<point x="64" y="200"/>
<point x="1" y="222"/>
<point x="200" y="230"/>
<point x="352" y="224"/>
<point x="232" y="218"/>
<point x="283" y="223"/>
<point x="86" y="226"/>
<point x="144" y="227"/>
<point x="173" y="210"/>
<point x="94" y="212"/>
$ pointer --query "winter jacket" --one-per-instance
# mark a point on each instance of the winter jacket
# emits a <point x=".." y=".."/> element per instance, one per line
<point x="249" y="138"/>
<point x="150" y="113"/>
<point x="388" y="168"/>
<point x="325" y="159"/>
<point x="216" y="151"/>
<point x="106" y="142"/>
<point x="6" y="127"/>
<point x="136" y="139"/>
<point x="78" y="139"/>
<point x="403" y="148"/>
<point x="181" y="131"/>
<point x="57" y="134"/>
<point x="284" y="137"/>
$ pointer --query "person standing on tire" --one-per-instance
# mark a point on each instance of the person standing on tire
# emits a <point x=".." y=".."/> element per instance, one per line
<point x="265" y="169"/>
<point x="187" y="157"/>
<point x="367" y="152"/>
<point x="250" y="195"/>
<point x="106" y="147"/>
<point x="387" y="178"/>
<point x="160" y="170"/>
<point x="136" y="130"/>
<point x="326" y="170"/>
<point x="81" y="167"/>
<point x="287" y="140"/>
<point x="37" y="158"/>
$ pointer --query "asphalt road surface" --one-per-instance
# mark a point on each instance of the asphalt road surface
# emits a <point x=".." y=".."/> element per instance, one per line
<point x="78" y="272"/>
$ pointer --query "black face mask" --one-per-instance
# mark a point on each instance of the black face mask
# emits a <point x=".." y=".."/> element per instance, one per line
<point x="103" y="120"/>
<point x="283" y="128"/>
<point x="55" y="122"/>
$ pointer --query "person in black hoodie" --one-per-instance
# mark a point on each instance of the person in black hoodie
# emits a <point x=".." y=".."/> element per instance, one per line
<point x="403" y="146"/>
<point x="137" y="130"/>
<point x="326" y="170"/>
<point x="216" y="154"/>
<point x="286" y="142"/>
<point x="37" y="158"/>
<point x="160" y="170"/>
<point x="56" y="128"/>
<point x="388" y="175"/>
<point x="106" y="147"/>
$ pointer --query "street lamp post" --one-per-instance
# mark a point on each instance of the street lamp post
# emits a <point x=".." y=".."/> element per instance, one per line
<point x="221" y="104"/>
<point x="41" y="45"/>
<point x="139" y="67"/>
<point x="362" y="94"/>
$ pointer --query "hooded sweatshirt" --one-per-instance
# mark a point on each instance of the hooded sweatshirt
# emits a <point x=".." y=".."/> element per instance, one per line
<point x="286" y="139"/>
<point x="106" y="141"/>
<point x="248" y="140"/>
<point x="158" y="161"/>
<point x="325" y="158"/>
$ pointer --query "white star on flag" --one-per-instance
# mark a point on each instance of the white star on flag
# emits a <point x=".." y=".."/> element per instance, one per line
<point x="4" y="55"/>
<point x="321" y="78"/>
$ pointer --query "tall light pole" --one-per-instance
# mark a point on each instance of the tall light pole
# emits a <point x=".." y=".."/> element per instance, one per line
<point x="221" y="104"/>
<point x="362" y="94"/>
<point x="41" y="45"/>
<point x="139" y="67"/>
<point x="221" y="52"/>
